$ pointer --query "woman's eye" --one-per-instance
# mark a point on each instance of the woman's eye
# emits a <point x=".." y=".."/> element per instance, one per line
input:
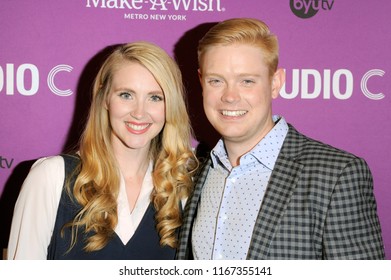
<point x="125" y="95"/>
<point x="157" y="98"/>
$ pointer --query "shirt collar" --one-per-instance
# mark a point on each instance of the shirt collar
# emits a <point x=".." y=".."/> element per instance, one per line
<point x="265" y="152"/>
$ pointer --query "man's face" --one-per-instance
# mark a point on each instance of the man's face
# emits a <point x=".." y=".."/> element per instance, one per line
<point x="238" y="92"/>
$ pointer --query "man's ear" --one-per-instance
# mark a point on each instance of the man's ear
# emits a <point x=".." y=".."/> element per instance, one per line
<point x="278" y="81"/>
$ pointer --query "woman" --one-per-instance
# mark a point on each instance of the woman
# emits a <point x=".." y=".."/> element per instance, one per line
<point x="121" y="195"/>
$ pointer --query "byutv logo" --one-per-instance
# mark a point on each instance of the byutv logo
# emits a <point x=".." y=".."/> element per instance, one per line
<point x="309" y="8"/>
<point x="5" y="163"/>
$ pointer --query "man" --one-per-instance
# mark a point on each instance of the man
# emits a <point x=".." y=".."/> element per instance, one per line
<point x="267" y="191"/>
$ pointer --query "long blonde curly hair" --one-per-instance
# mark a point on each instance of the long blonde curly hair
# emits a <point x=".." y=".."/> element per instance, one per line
<point x="97" y="185"/>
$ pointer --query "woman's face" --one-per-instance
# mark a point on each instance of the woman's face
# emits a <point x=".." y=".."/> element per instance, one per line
<point x="136" y="107"/>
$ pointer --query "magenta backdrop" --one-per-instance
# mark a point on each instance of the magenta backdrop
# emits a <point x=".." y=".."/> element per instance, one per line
<point x="336" y="54"/>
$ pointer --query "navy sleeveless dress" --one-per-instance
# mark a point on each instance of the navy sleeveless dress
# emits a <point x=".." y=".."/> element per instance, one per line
<point x="144" y="244"/>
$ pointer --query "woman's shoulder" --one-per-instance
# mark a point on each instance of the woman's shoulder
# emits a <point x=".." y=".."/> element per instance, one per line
<point x="48" y="169"/>
<point x="48" y="162"/>
<point x="54" y="163"/>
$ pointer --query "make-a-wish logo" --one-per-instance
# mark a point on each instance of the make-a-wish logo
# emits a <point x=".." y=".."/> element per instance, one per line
<point x="309" y="8"/>
<point x="158" y="5"/>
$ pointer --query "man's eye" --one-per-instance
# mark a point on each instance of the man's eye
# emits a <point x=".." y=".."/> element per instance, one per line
<point x="214" y="82"/>
<point x="247" y="82"/>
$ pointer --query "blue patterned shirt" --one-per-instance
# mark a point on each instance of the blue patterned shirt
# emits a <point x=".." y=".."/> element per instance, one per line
<point x="232" y="196"/>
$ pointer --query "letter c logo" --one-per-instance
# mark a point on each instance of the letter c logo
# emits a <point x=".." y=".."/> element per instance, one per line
<point x="364" y="81"/>
<point x="50" y="80"/>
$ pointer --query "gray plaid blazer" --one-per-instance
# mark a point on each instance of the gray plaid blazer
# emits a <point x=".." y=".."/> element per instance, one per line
<point x="319" y="204"/>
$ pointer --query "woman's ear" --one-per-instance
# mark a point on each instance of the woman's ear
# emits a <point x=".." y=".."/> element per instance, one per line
<point x="199" y="74"/>
<point x="106" y="104"/>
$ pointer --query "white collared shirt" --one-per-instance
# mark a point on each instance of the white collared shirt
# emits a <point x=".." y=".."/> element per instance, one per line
<point x="36" y="209"/>
<point x="231" y="198"/>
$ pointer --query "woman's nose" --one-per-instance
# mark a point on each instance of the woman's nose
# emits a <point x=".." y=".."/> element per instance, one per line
<point x="138" y="111"/>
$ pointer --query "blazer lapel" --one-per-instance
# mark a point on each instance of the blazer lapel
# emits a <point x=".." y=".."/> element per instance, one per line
<point x="282" y="183"/>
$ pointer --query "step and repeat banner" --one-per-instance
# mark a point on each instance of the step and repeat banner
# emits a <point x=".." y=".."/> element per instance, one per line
<point x="336" y="54"/>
